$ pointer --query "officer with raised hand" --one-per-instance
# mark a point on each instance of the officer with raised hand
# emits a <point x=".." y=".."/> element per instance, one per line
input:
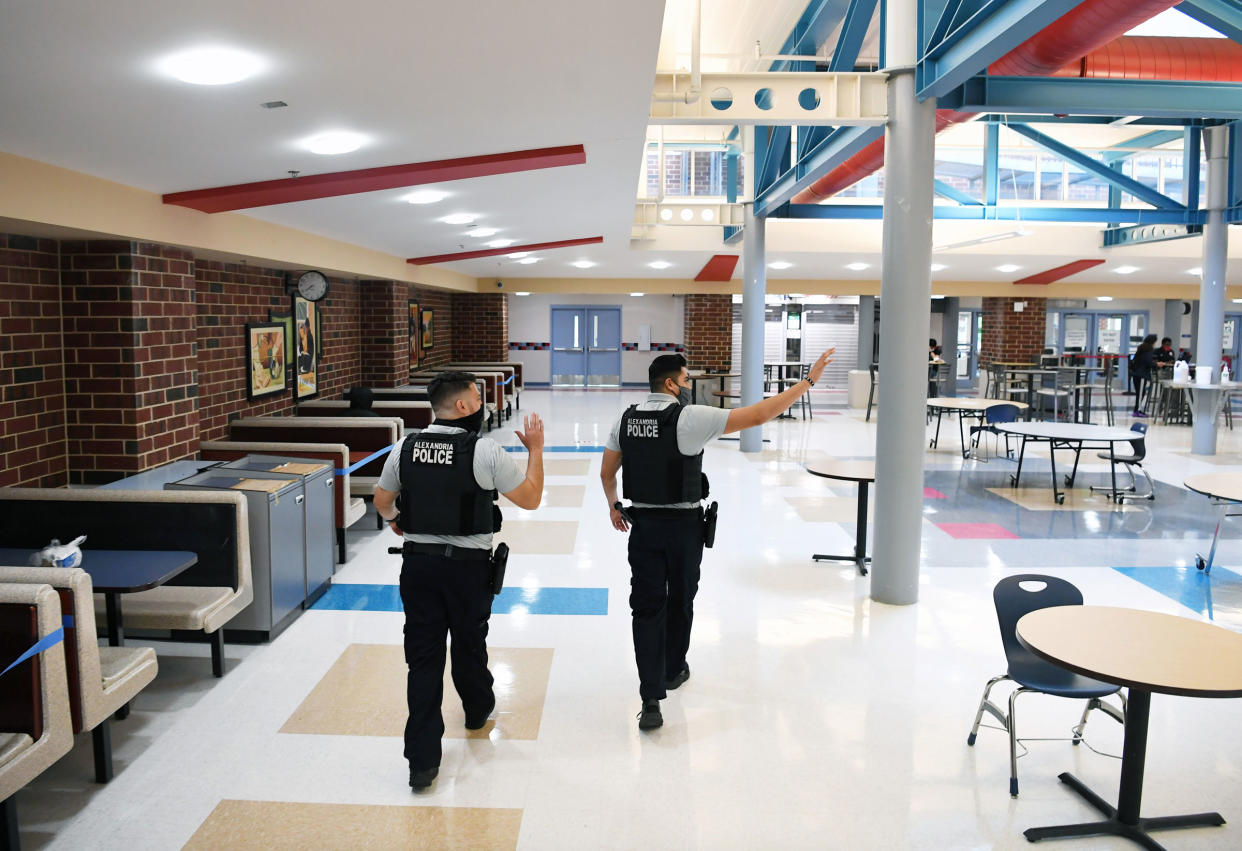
<point x="657" y="446"/>
<point x="447" y="478"/>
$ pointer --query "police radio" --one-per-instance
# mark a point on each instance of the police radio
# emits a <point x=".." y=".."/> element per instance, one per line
<point x="709" y="524"/>
<point x="496" y="576"/>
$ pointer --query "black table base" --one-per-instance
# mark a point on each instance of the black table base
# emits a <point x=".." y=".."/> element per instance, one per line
<point x="1124" y="820"/>
<point x="860" y="557"/>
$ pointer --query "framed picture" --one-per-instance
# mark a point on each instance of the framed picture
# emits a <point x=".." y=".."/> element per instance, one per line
<point x="265" y="359"/>
<point x="415" y="337"/>
<point x="429" y="339"/>
<point x="285" y="317"/>
<point x="306" y="358"/>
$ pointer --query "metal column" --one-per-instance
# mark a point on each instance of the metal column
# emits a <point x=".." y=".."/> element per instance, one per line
<point x="1173" y="322"/>
<point x="905" y="292"/>
<point x="754" y="288"/>
<point x="1212" y="286"/>
<point x="866" y="331"/>
<point x="948" y="343"/>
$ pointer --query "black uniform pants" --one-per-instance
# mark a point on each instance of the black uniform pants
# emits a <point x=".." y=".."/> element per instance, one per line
<point x="666" y="549"/>
<point x="443" y="595"/>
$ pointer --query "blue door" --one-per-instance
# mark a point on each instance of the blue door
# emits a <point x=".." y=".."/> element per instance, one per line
<point x="568" y="347"/>
<point x="603" y="347"/>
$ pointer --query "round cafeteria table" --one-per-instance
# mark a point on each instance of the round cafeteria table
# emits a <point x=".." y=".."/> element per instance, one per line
<point x="967" y="408"/>
<point x="863" y="474"/>
<point x="1225" y="492"/>
<point x="1068" y="436"/>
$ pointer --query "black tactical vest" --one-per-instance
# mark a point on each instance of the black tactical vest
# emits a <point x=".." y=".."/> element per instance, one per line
<point x="439" y="495"/>
<point x="653" y="470"/>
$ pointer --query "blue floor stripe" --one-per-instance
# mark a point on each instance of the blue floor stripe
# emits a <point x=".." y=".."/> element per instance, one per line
<point x="350" y="597"/>
<point x="558" y="449"/>
<point x="1217" y="596"/>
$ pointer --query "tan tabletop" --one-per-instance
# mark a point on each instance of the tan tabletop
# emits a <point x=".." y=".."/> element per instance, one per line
<point x="1219" y="485"/>
<point x="840" y="468"/>
<point x="955" y="403"/>
<point x="713" y="375"/>
<point x="1138" y="649"/>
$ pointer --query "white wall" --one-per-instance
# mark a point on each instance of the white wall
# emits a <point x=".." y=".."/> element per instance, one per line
<point x="530" y="321"/>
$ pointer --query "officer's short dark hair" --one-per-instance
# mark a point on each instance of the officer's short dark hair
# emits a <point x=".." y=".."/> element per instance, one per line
<point x="662" y="368"/>
<point x="447" y="386"/>
<point x="1167" y="341"/>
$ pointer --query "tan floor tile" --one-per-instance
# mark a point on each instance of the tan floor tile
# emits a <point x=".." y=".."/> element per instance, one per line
<point x="558" y="496"/>
<point x="280" y="825"/>
<point x="565" y="467"/>
<point x="827" y="509"/>
<point x="363" y="694"/>
<point x="1077" y="499"/>
<point x="539" y="537"/>
<point x="1222" y="459"/>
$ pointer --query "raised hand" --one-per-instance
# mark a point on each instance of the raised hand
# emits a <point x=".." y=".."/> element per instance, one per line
<point x="817" y="368"/>
<point x="532" y="438"/>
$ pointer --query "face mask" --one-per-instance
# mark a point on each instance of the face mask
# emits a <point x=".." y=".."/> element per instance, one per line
<point x="683" y="396"/>
<point x="470" y="422"/>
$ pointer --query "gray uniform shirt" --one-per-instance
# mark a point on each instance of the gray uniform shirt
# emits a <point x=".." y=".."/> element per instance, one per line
<point x="494" y="469"/>
<point x="697" y="426"/>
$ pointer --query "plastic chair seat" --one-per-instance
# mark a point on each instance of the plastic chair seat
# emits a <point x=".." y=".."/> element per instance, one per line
<point x="1034" y="673"/>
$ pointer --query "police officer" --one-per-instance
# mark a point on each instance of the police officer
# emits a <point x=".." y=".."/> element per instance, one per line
<point x="658" y="447"/>
<point x="448" y="477"/>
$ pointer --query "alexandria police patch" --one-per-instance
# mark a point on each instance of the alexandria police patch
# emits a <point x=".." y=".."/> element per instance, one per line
<point x="432" y="453"/>
<point x="642" y="427"/>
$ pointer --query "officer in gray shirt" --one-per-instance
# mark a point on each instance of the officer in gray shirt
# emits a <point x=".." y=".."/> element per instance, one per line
<point x="448" y="478"/>
<point x="658" y="447"/>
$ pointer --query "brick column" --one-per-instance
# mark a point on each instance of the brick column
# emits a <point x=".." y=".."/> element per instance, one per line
<point x="1009" y="335"/>
<point x="480" y="327"/>
<point x="709" y="331"/>
<point x="32" y="390"/>
<point x="384" y="326"/>
<point x="130" y="357"/>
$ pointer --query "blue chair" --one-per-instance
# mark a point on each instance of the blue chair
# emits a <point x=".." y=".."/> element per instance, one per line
<point x="1134" y="459"/>
<point x="1031" y="673"/>
<point x="992" y="416"/>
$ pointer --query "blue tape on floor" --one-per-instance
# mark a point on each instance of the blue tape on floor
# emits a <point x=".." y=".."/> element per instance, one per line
<point x="1217" y="596"/>
<point x="350" y="597"/>
<point x="558" y="449"/>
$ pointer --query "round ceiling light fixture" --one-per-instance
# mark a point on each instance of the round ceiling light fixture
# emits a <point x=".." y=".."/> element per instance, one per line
<point x="211" y="66"/>
<point x="659" y="264"/>
<point x="458" y="219"/>
<point x="334" y="142"/>
<point x="425" y="196"/>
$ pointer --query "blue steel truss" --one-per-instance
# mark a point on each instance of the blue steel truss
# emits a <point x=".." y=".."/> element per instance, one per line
<point x="1224" y="16"/>
<point x="1077" y="96"/>
<point x="840" y="145"/>
<point x="944" y="190"/>
<point x="1034" y="213"/>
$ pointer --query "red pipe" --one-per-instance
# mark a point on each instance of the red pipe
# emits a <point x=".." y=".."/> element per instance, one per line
<point x="1085" y="28"/>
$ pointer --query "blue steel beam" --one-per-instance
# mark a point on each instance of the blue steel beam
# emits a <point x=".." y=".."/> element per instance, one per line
<point x="853" y="30"/>
<point x="771" y="155"/>
<point x="991" y="163"/>
<point x="1152" y="139"/>
<point x="1032" y="213"/>
<point x="1190" y="167"/>
<point x="1224" y="16"/>
<point x="1093" y="166"/>
<point x="842" y="144"/>
<point x="1074" y="96"/>
<point x="997" y="28"/>
<point x="944" y="190"/>
<point x="1235" y="166"/>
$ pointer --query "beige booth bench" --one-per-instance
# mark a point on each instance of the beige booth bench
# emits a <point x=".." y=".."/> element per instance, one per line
<point x="101" y="679"/>
<point x="36" y="727"/>
<point x="211" y="524"/>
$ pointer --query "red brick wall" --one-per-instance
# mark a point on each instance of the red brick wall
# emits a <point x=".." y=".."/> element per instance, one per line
<point x="1009" y="335"/>
<point x="708" y="331"/>
<point x="480" y="327"/>
<point x="32" y="393"/>
<point x="442" y="303"/>
<point x="385" y="329"/>
<point x="130" y="367"/>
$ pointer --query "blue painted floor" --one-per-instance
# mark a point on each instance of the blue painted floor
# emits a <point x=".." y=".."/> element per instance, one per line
<point x="537" y="601"/>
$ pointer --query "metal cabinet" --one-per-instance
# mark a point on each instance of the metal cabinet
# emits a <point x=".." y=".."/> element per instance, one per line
<point x="319" y="482"/>
<point x="277" y="544"/>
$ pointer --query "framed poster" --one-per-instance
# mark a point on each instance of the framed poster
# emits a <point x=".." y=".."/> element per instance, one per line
<point x="265" y="359"/>
<point x="305" y="314"/>
<point x="415" y="337"/>
<point x="429" y="338"/>
<point x="285" y="317"/>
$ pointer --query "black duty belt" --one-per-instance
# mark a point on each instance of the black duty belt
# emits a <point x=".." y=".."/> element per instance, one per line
<point x="664" y="513"/>
<point x="447" y="551"/>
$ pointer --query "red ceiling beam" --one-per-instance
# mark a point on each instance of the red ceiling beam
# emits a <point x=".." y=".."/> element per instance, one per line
<point x="512" y="249"/>
<point x="1060" y="272"/>
<point x="719" y="268"/>
<point x="243" y="196"/>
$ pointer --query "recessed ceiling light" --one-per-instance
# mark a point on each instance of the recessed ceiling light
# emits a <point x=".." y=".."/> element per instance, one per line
<point x="857" y="267"/>
<point x="518" y="255"/>
<point x="780" y="265"/>
<point x="523" y="292"/>
<point x="334" y="142"/>
<point x="425" y="196"/>
<point x="1103" y="298"/>
<point x="458" y="219"/>
<point x="582" y="264"/>
<point x="1007" y="268"/>
<point x="480" y="233"/>
<point x="526" y="261"/>
<point x="659" y="264"/>
<point x="1126" y="270"/>
<point x="211" y="66"/>
<point x="938" y="267"/>
<point x="1198" y="270"/>
<point x="500" y="243"/>
<point x="636" y="295"/>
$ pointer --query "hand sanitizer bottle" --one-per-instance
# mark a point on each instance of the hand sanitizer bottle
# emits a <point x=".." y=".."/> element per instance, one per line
<point x="1224" y="373"/>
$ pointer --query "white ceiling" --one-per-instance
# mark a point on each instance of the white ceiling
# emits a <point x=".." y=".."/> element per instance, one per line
<point x="433" y="80"/>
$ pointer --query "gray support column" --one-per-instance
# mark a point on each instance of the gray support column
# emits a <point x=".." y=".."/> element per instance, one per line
<point x="866" y="331"/>
<point x="1194" y="329"/>
<point x="1212" y="286"/>
<point x="948" y="342"/>
<point x="1173" y="322"/>
<point x="905" y="292"/>
<point x="754" y="288"/>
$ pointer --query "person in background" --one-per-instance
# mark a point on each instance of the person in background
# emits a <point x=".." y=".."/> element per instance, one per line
<point x="933" y="366"/>
<point x="1141" y="366"/>
<point x="1164" y="356"/>
<point x="360" y="400"/>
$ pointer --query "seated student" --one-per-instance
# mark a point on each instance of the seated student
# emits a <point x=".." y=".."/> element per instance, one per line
<point x="360" y="400"/>
<point x="1164" y="355"/>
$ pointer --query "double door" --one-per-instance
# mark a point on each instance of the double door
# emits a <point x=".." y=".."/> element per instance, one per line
<point x="586" y="346"/>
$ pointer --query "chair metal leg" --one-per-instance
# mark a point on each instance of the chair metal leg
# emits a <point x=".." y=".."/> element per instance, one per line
<point x="101" y="741"/>
<point x="986" y="706"/>
<point x="1013" y="743"/>
<point x="8" y="824"/>
<point x="217" y="653"/>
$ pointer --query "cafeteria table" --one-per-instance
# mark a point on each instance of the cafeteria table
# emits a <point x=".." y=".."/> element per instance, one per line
<point x="1068" y="436"/>
<point x="863" y="474"/>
